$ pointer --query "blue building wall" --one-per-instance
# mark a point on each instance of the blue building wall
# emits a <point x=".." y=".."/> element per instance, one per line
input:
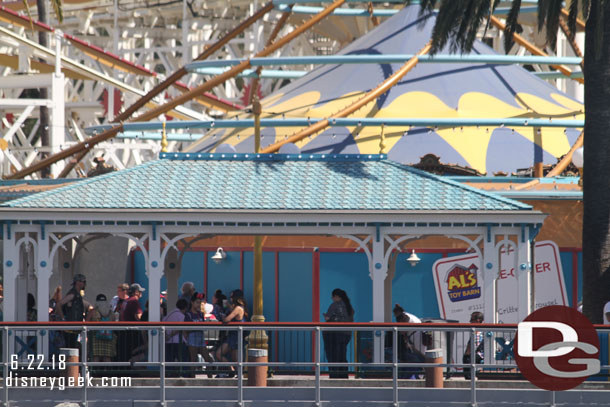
<point x="412" y="287"/>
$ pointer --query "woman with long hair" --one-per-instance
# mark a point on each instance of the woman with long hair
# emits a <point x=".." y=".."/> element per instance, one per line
<point x="335" y="343"/>
<point x="239" y="313"/>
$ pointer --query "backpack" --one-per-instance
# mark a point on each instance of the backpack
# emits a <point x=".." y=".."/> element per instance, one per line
<point x="104" y="334"/>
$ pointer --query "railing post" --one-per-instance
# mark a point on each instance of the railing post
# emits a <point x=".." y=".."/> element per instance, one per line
<point x="6" y="360"/>
<point x="395" y="365"/>
<point x="317" y="360"/>
<point x="473" y="372"/>
<point x="84" y="368"/>
<point x="240" y="368"/>
<point x="162" y="355"/>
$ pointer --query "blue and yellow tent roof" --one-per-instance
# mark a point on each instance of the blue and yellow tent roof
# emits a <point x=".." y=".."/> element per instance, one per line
<point x="428" y="91"/>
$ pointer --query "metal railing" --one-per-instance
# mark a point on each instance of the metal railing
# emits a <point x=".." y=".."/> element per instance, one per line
<point x="374" y="352"/>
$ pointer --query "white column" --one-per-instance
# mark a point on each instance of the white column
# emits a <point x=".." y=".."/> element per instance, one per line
<point x="489" y="272"/>
<point x="11" y="271"/>
<point x="524" y="273"/>
<point x="172" y="274"/>
<point x="58" y="123"/>
<point x="43" y="269"/>
<point x="378" y="270"/>
<point x="186" y="25"/>
<point x="154" y="272"/>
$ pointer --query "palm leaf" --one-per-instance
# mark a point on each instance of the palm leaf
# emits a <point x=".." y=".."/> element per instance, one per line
<point x="491" y="11"/>
<point x="458" y="22"/>
<point x="511" y="25"/>
<point x="572" y="16"/>
<point x="549" y="12"/>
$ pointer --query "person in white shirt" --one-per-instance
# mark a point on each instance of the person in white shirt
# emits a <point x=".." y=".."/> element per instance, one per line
<point x="415" y="337"/>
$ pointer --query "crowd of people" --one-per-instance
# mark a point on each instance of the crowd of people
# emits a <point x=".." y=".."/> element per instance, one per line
<point x="195" y="345"/>
<point x="106" y="345"/>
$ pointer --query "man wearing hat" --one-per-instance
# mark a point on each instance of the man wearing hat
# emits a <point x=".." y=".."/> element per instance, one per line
<point x="132" y="310"/>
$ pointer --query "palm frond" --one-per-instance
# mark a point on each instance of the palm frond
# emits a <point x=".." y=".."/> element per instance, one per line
<point x="427" y="6"/>
<point x="446" y="24"/>
<point x="585" y="8"/>
<point x="458" y="22"/>
<point x="491" y="11"/>
<point x="572" y="16"/>
<point x="470" y="31"/>
<point x="511" y="25"/>
<point x="549" y="12"/>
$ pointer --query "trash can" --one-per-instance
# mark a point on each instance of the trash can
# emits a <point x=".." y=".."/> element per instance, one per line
<point x="443" y="340"/>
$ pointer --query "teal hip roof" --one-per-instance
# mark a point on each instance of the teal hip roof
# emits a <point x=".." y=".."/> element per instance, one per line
<point x="321" y="182"/>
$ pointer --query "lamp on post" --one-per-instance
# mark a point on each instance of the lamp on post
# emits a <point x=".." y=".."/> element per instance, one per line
<point x="578" y="159"/>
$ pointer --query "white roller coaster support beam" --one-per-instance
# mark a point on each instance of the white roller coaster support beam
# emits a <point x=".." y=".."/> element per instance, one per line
<point x="46" y="53"/>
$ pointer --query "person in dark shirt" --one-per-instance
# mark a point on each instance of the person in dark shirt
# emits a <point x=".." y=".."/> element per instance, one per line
<point x="335" y="343"/>
<point x="132" y="311"/>
<point x="73" y="307"/>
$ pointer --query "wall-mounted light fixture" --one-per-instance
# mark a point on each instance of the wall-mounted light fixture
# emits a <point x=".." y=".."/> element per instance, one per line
<point x="413" y="259"/>
<point x="219" y="256"/>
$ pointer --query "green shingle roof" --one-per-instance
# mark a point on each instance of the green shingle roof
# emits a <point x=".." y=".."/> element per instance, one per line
<point x="270" y="182"/>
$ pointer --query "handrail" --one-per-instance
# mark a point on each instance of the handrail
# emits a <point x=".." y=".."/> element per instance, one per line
<point x="352" y="121"/>
<point x="363" y="12"/>
<point x="389" y="59"/>
<point x="270" y="325"/>
<point x="454" y="347"/>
